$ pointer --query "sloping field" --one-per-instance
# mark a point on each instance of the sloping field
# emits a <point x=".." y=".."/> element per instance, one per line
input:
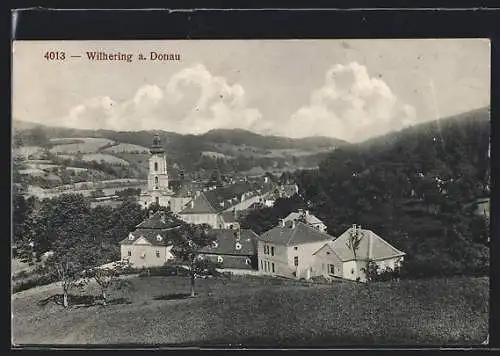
<point x="98" y="157"/>
<point x="215" y="155"/>
<point x="85" y="145"/>
<point x="253" y="311"/>
<point x="126" y="147"/>
<point x="26" y="151"/>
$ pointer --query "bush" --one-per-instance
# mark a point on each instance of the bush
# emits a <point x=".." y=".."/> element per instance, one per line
<point x="163" y="271"/>
<point x="33" y="281"/>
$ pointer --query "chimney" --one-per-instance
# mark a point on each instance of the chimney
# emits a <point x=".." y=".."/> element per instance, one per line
<point x="192" y="203"/>
<point x="307" y="212"/>
<point x="282" y="222"/>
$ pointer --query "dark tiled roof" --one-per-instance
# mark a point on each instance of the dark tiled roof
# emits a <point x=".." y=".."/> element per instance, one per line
<point x="226" y="243"/>
<point x="236" y="262"/>
<point x="201" y="205"/>
<point x="157" y="221"/>
<point x="299" y="234"/>
<point x="168" y="236"/>
<point x="223" y="198"/>
<point x="157" y="224"/>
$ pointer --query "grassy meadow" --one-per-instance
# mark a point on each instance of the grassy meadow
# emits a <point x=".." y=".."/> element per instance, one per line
<point x="255" y="311"/>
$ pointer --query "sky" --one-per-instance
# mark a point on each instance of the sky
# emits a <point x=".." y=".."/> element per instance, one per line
<point x="347" y="89"/>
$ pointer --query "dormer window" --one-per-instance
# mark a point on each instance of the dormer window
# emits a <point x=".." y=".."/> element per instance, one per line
<point x="159" y="238"/>
<point x="220" y="259"/>
<point x="248" y="261"/>
<point x="238" y="246"/>
<point x="131" y="237"/>
<point x="215" y="244"/>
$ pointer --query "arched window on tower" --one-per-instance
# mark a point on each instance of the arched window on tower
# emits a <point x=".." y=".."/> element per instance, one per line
<point x="156" y="182"/>
<point x="156" y="166"/>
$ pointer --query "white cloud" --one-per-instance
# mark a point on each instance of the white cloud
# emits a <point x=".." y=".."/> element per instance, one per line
<point x="351" y="105"/>
<point x="192" y="101"/>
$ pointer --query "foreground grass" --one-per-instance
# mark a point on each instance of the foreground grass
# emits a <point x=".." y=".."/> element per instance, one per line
<point x="255" y="311"/>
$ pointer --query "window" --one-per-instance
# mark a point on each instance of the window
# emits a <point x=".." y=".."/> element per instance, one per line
<point x="159" y="238"/>
<point x="129" y="253"/>
<point x="143" y="255"/>
<point x="220" y="259"/>
<point x="157" y="254"/>
<point x="327" y="252"/>
<point x="296" y="261"/>
<point x="248" y="261"/>
<point x="261" y="265"/>
<point x="156" y="180"/>
<point x="157" y="200"/>
<point x="352" y="271"/>
<point x="332" y="269"/>
<point x="272" y="265"/>
<point x="295" y="248"/>
<point x="238" y="246"/>
<point x="156" y="166"/>
<point x="272" y="251"/>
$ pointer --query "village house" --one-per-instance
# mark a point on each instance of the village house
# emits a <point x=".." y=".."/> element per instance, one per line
<point x="306" y="217"/>
<point x="149" y="245"/>
<point x="219" y="206"/>
<point x="287" y="249"/>
<point x="234" y="251"/>
<point x="336" y="259"/>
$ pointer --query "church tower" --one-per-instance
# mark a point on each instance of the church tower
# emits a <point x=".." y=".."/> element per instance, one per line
<point x="158" y="175"/>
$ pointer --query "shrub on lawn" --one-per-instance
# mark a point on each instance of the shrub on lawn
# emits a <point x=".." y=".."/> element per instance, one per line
<point x="163" y="271"/>
<point x="33" y="281"/>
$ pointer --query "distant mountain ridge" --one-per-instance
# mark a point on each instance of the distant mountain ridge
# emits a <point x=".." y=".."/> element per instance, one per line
<point x="211" y="150"/>
<point x="203" y="141"/>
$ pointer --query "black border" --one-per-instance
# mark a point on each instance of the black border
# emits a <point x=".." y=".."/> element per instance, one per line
<point x="184" y="23"/>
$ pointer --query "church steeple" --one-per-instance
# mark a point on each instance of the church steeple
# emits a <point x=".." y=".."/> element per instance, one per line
<point x="158" y="175"/>
<point x="157" y="147"/>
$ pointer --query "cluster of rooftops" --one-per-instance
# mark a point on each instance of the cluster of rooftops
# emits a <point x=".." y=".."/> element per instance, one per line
<point x="297" y="228"/>
<point x="218" y="199"/>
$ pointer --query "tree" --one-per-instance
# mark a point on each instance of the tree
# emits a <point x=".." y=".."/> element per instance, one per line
<point x="108" y="278"/>
<point x="192" y="238"/>
<point x="354" y="240"/>
<point x="371" y="271"/>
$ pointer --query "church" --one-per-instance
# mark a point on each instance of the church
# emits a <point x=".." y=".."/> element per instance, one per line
<point x="158" y="190"/>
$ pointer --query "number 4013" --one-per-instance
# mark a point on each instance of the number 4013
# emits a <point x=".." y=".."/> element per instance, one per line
<point x="54" y="56"/>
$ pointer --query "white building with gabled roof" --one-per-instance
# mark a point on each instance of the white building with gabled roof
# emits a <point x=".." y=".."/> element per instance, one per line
<point x="336" y="259"/>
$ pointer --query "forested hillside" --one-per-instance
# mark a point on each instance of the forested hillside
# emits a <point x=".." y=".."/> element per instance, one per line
<point x="416" y="188"/>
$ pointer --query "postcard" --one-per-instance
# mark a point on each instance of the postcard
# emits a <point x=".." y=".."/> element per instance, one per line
<point x="251" y="193"/>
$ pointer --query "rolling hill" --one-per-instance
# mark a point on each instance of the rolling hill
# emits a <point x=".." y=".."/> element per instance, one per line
<point x="245" y="149"/>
